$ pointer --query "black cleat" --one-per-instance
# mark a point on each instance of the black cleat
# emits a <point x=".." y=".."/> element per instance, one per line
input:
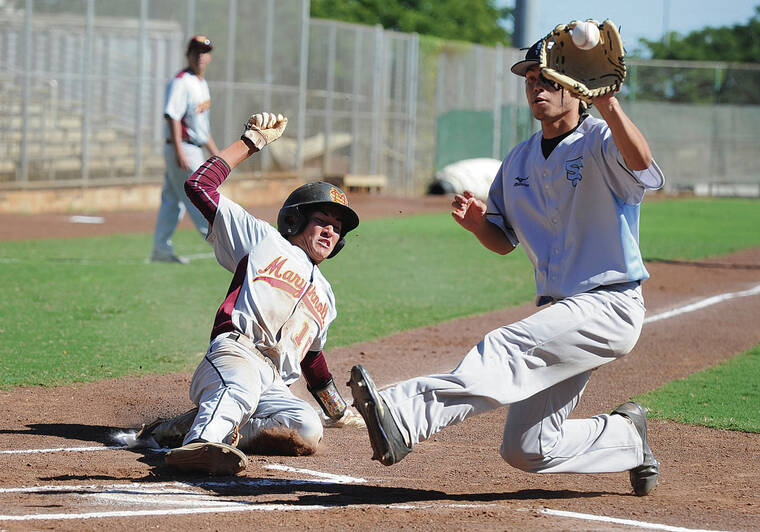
<point x="388" y="443"/>
<point x="643" y="477"/>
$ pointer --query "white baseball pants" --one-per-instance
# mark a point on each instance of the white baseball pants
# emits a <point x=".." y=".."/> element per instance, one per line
<point x="174" y="201"/>
<point x="539" y="366"/>
<point x="234" y="386"/>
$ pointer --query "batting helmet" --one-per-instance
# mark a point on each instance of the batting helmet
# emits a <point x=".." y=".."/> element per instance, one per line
<point x="293" y="215"/>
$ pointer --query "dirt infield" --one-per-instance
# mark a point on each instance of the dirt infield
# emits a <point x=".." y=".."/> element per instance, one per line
<point x="710" y="479"/>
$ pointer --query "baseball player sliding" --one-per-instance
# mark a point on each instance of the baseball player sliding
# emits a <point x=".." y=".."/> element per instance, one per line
<point x="570" y="194"/>
<point x="271" y="325"/>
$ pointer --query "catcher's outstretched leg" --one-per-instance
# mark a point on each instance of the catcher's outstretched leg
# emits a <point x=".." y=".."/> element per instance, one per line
<point x="388" y="444"/>
<point x="643" y="477"/>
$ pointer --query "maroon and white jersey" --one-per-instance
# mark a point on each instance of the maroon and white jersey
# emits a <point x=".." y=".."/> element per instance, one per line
<point x="188" y="101"/>
<point x="278" y="297"/>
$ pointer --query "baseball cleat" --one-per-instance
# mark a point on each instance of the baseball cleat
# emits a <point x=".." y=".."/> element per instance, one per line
<point x="207" y="457"/>
<point x="169" y="258"/>
<point x="388" y="444"/>
<point x="167" y="432"/>
<point x="643" y="477"/>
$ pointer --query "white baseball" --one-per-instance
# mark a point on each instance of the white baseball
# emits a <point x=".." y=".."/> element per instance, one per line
<point x="585" y="35"/>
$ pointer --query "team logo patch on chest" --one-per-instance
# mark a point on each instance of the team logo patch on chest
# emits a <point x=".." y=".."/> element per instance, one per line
<point x="573" y="168"/>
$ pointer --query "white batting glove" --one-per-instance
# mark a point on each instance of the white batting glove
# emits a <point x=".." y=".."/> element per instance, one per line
<point x="264" y="128"/>
<point x="351" y="418"/>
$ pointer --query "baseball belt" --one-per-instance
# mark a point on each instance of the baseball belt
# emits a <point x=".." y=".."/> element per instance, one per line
<point x="246" y="342"/>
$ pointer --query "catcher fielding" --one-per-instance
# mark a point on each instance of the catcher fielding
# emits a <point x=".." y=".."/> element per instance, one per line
<point x="271" y="326"/>
<point x="570" y="194"/>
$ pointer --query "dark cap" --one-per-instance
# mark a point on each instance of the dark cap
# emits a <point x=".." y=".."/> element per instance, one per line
<point x="200" y="43"/>
<point x="532" y="57"/>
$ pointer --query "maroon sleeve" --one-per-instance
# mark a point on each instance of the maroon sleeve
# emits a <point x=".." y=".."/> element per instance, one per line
<point x="314" y="369"/>
<point x="201" y="187"/>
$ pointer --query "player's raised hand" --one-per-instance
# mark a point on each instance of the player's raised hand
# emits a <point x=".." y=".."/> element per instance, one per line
<point x="469" y="211"/>
<point x="264" y="128"/>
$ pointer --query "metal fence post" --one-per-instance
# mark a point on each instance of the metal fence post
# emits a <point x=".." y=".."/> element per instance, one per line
<point x="190" y="29"/>
<point x="24" y="151"/>
<point x="302" y="83"/>
<point x="377" y="69"/>
<point x="326" y="158"/>
<point x="411" y="117"/>
<point x="355" y="94"/>
<point x="266" y="155"/>
<point x="143" y="31"/>
<point x="498" y="90"/>
<point x="229" y="104"/>
<point x="87" y="91"/>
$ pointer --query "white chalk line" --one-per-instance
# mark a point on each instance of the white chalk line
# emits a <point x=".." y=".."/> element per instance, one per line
<point x="618" y="521"/>
<point x="65" y="450"/>
<point x="714" y="300"/>
<point x="339" y="479"/>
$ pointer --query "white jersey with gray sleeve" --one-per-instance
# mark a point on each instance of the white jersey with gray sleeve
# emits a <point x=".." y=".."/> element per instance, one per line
<point x="576" y="213"/>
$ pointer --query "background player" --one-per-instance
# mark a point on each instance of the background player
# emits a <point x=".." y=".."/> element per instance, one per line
<point x="272" y="324"/>
<point x="188" y="130"/>
<point x="570" y="194"/>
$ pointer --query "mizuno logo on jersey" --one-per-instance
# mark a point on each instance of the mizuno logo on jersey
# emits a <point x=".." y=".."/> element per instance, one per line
<point x="287" y="280"/>
<point x="573" y="169"/>
<point x="521" y="181"/>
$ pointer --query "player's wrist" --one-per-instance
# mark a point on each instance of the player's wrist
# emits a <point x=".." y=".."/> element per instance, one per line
<point x="249" y="144"/>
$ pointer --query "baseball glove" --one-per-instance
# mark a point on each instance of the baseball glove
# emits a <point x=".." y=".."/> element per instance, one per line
<point x="586" y="74"/>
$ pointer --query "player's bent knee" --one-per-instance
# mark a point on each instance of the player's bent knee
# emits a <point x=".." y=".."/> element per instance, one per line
<point x="521" y="456"/>
<point x="281" y="441"/>
<point x="311" y="430"/>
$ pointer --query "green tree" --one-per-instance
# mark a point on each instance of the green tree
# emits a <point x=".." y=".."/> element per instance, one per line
<point x="477" y="21"/>
<point x="738" y="44"/>
<point x="733" y="85"/>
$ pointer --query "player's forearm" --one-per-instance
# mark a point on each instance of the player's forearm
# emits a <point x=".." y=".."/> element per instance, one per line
<point x="211" y="146"/>
<point x="320" y="384"/>
<point x="493" y="238"/>
<point x="202" y="187"/>
<point x="237" y="152"/>
<point x="175" y="133"/>
<point x="629" y="140"/>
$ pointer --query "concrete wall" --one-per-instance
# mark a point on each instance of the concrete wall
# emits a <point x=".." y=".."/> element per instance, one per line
<point x="244" y="189"/>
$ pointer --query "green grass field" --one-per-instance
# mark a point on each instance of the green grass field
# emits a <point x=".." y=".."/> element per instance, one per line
<point x="83" y="309"/>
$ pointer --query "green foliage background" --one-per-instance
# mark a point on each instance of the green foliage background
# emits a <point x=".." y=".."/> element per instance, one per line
<point x="477" y="21"/>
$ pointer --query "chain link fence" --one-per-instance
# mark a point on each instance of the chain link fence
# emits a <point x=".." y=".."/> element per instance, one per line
<point x="83" y="86"/>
